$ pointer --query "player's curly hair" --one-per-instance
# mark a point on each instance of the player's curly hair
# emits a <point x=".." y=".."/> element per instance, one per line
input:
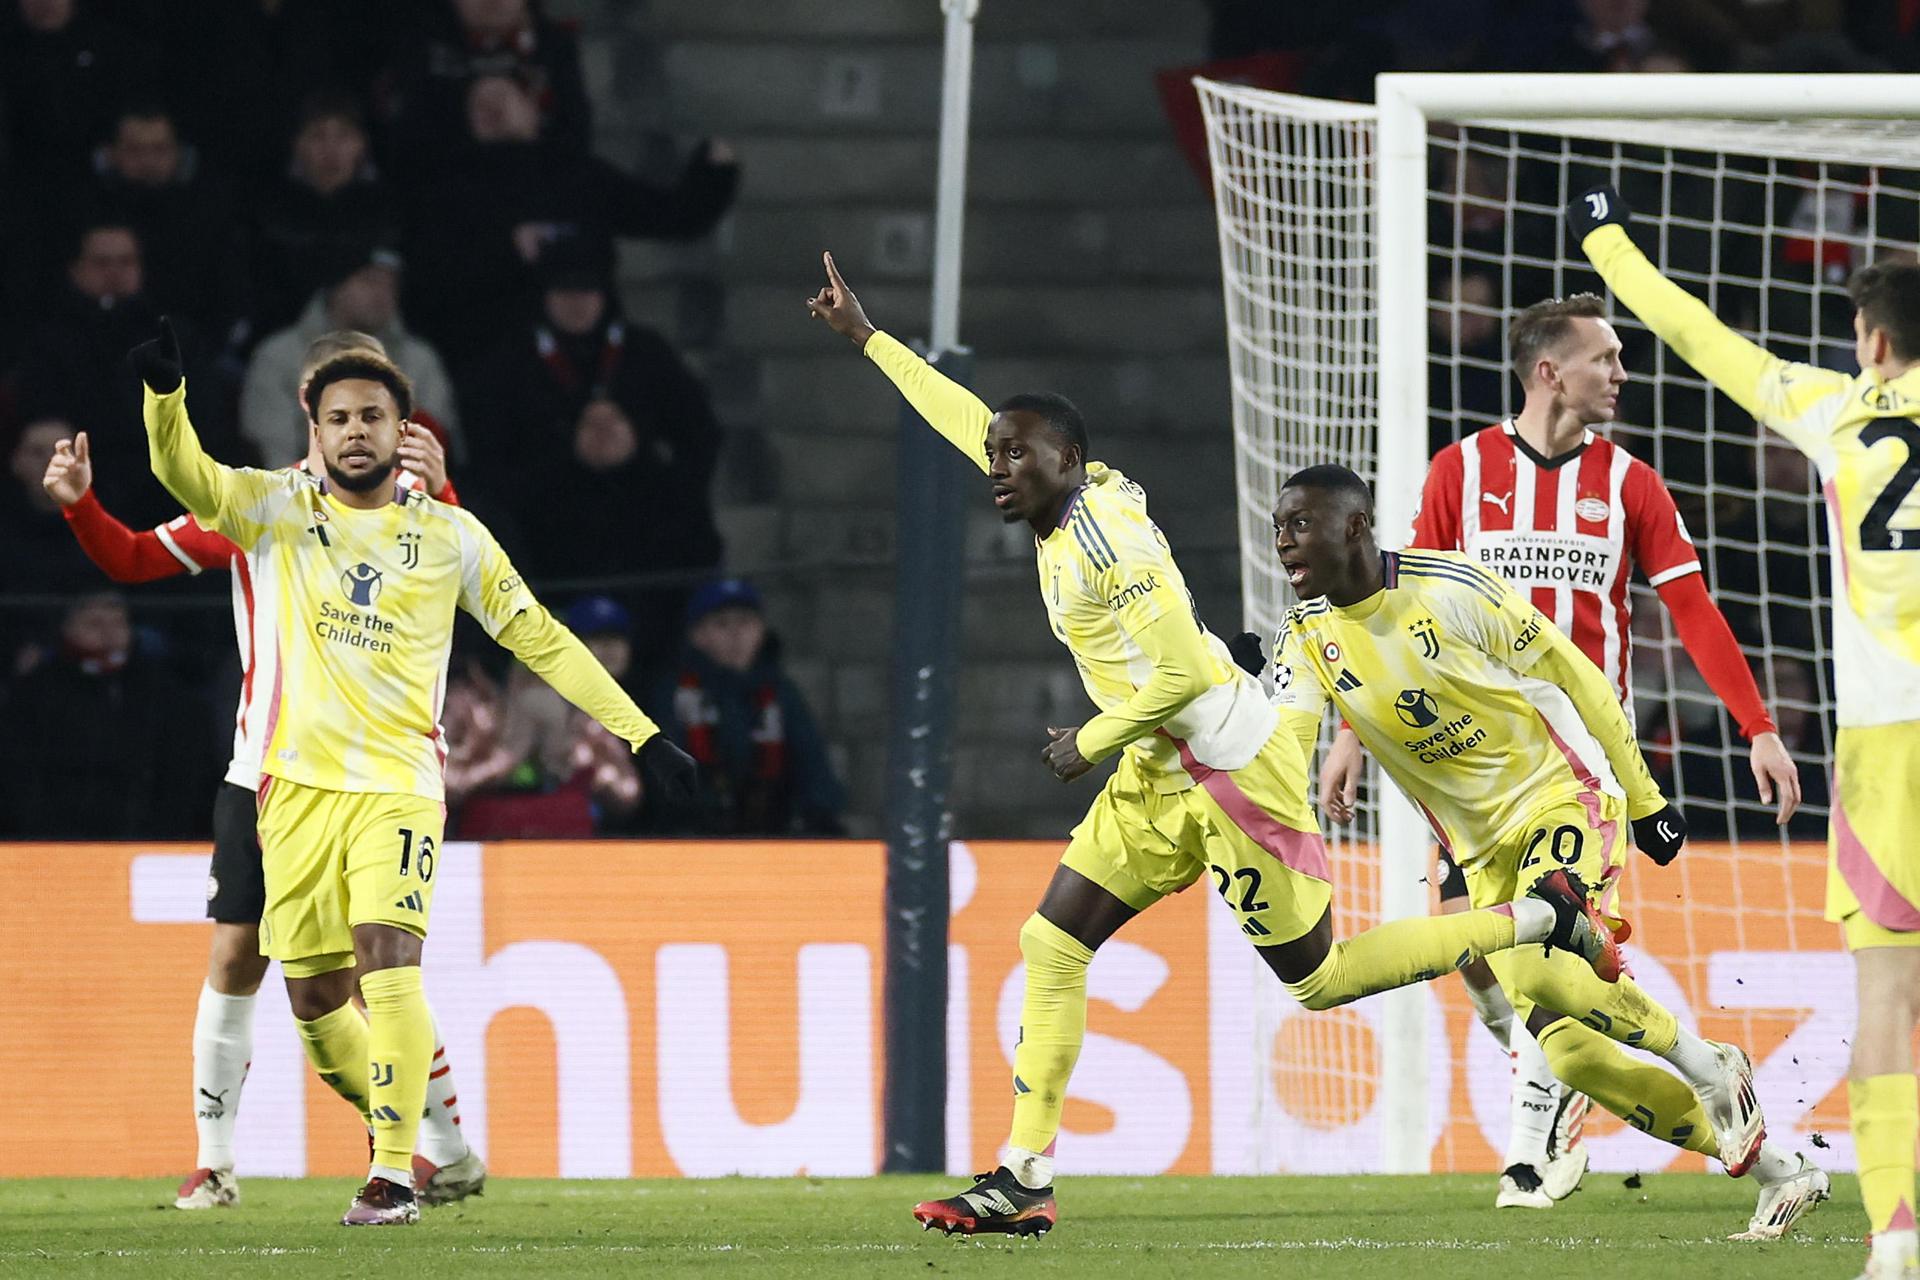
<point x="361" y="364"/>
<point x="1062" y="417"/>
<point x="1887" y="296"/>
<point x="1544" y="325"/>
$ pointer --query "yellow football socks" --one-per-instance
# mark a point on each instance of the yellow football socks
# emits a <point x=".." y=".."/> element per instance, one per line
<point x="399" y="1055"/>
<point x="336" y="1045"/>
<point x="1053" y="1022"/>
<point x="1564" y="983"/>
<point x="1886" y="1120"/>
<point x="1640" y="1092"/>
<point x="1399" y="952"/>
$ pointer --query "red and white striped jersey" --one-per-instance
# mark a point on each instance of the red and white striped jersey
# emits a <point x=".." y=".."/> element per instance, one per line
<point x="198" y="547"/>
<point x="1565" y="531"/>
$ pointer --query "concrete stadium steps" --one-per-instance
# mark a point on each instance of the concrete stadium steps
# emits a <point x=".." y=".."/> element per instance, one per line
<point x="1091" y="269"/>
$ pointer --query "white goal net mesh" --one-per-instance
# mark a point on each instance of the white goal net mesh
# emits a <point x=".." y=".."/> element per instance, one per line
<point x="1765" y="221"/>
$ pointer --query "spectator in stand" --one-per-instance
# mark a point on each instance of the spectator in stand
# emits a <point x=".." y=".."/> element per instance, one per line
<point x="94" y="748"/>
<point x="480" y="215"/>
<point x="729" y="703"/>
<point x="362" y="294"/>
<point x="604" y="411"/>
<point x="329" y="204"/>
<point x="472" y="40"/>
<point x="147" y="178"/>
<point x="63" y="69"/>
<point x="1467" y="367"/>
<point x="75" y="367"/>
<point x="526" y="764"/>
<point x="578" y="349"/>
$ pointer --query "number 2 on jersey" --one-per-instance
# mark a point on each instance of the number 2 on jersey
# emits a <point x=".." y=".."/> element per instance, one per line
<point x="1874" y="533"/>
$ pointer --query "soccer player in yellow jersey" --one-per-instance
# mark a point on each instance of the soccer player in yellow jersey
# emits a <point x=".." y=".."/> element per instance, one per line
<point x="1515" y="747"/>
<point x="1863" y="433"/>
<point x="1208" y="782"/>
<point x="362" y="577"/>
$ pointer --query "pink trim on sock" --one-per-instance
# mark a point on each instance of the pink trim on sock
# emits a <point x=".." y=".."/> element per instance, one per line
<point x="1050" y="1146"/>
<point x="1301" y="851"/>
<point x="1902" y="1219"/>
<point x="1503" y="908"/>
<point x="1884" y="904"/>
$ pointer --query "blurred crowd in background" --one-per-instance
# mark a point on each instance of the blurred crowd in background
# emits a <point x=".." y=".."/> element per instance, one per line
<point x="418" y="170"/>
<point x="421" y="170"/>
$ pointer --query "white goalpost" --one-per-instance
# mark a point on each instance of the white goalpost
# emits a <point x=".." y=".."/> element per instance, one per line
<point x="1371" y="257"/>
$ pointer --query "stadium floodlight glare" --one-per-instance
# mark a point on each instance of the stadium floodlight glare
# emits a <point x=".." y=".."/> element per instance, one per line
<point x="1371" y="258"/>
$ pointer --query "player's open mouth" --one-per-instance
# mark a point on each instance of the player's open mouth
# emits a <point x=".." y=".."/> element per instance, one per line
<point x="1001" y="497"/>
<point x="1296" y="573"/>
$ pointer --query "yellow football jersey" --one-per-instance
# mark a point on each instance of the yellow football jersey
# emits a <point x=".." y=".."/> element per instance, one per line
<point x="1118" y="602"/>
<point x="359" y="605"/>
<point x="1863" y="435"/>
<point x="1476" y="705"/>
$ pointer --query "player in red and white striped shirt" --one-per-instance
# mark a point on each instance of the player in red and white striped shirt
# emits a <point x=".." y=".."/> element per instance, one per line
<point x="1565" y="515"/>
<point x="223" y="1024"/>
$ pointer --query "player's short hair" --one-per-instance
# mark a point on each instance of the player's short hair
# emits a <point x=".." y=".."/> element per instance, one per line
<point x="1331" y="477"/>
<point x="1545" y="325"/>
<point x="336" y="342"/>
<point x="1887" y="296"/>
<point x="361" y="364"/>
<point x="1061" y="415"/>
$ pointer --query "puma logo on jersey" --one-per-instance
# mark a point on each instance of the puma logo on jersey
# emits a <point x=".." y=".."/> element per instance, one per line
<point x="1499" y="501"/>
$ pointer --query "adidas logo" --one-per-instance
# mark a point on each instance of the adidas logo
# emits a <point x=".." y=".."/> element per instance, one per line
<point x="410" y="903"/>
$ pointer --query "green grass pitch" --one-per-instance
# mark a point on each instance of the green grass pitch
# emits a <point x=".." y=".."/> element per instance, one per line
<point x="1408" y="1228"/>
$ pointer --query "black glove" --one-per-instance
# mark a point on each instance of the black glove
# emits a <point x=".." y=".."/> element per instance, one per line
<point x="1596" y="207"/>
<point x="1249" y="651"/>
<point x="670" y="772"/>
<point x="1661" y="834"/>
<point x="157" y="360"/>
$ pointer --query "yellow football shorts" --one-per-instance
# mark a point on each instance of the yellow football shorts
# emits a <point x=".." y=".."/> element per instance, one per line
<point x="1587" y="836"/>
<point x="1250" y="830"/>
<point x="1873" y="866"/>
<point x="336" y="859"/>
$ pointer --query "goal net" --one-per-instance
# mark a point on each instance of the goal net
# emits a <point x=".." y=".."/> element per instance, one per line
<point x="1762" y="218"/>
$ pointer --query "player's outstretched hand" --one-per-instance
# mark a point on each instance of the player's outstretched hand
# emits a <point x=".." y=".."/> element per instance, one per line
<point x="1776" y="774"/>
<point x="839" y="308"/>
<point x="1248" y="650"/>
<point x="69" y="471"/>
<point x="1340" y="776"/>
<point x="157" y="360"/>
<point x="1062" y="754"/>
<point x="671" y="772"/>
<point x="1661" y="834"/>
<point x="1596" y="207"/>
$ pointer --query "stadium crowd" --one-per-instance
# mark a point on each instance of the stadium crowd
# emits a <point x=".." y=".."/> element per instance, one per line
<point x="419" y="172"/>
